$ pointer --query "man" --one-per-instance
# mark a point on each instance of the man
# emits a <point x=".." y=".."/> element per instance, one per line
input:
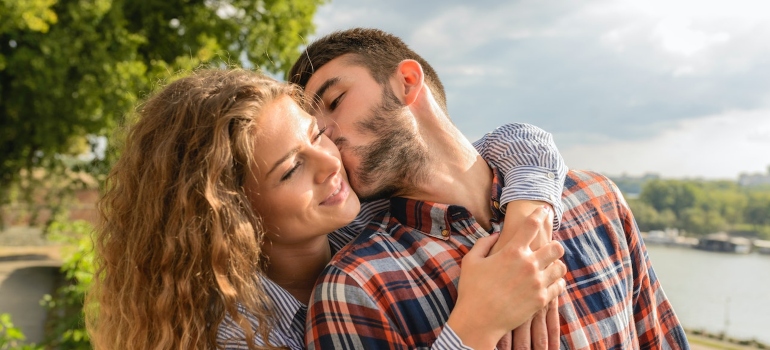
<point x="395" y="285"/>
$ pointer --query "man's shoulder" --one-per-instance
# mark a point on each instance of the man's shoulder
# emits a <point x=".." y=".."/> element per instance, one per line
<point x="584" y="186"/>
<point x="359" y="266"/>
<point x="582" y="180"/>
<point x="362" y="254"/>
<point x="578" y="176"/>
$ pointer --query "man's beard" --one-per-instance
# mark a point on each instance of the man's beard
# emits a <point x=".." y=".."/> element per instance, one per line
<point x="395" y="161"/>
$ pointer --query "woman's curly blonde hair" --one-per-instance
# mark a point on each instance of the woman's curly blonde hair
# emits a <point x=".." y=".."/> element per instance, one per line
<point x="179" y="245"/>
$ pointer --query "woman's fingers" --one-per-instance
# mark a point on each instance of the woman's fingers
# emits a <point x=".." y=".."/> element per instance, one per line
<point x="554" y="272"/>
<point x="522" y="337"/>
<point x="539" y="331"/>
<point x="552" y="322"/>
<point x="549" y="253"/>
<point x="518" y="281"/>
<point x="554" y="290"/>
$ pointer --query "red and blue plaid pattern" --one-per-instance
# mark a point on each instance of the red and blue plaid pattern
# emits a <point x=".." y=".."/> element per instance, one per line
<point x="613" y="298"/>
<point x="395" y="285"/>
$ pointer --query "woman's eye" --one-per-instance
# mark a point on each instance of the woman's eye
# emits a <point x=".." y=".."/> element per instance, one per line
<point x="320" y="133"/>
<point x="291" y="171"/>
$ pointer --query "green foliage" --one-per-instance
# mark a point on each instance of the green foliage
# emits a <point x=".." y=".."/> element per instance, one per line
<point x="700" y="221"/>
<point x="673" y="195"/>
<point x="33" y="15"/>
<point x="758" y="209"/>
<point x="72" y="69"/>
<point x="650" y="219"/>
<point x="701" y="207"/>
<point x="66" y="316"/>
<point x="65" y="307"/>
<point x="11" y="337"/>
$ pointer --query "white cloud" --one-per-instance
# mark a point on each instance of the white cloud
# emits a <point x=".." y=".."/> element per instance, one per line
<point x="683" y="70"/>
<point x="331" y="18"/>
<point x="745" y="10"/>
<point x="621" y="72"/>
<point x="718" y="146"/>
<point x="677" y="35"/>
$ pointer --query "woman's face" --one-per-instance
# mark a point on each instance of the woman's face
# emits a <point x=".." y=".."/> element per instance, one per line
<point x="299" y="187"/>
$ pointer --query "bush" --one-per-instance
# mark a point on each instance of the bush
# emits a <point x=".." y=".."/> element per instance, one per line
<point x="66" y="315"/>
<point x="65" y="308"/>
<point x="11" y="337"/>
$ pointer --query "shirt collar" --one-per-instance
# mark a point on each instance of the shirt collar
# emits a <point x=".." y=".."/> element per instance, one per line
<point x="436" y="219"/>
<point x="286" y="304"/>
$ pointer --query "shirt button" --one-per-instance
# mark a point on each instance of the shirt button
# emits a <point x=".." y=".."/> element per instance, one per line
<point x="550" y="176"/>
<point x="496" y="204"/>
<point x="445" y="233"/>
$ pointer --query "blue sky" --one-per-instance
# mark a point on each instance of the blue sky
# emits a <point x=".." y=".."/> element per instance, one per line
<point x="676" y="87"/>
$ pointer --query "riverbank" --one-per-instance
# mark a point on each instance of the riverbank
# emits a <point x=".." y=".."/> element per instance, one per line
<point x="700" y="340"/>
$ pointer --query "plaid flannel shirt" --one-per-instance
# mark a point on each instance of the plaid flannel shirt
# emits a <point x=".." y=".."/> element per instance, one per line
<point x="395" y="285"/>
<point x="533" y="169"/>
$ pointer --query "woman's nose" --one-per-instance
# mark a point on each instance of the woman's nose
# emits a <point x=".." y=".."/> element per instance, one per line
<point x="328" y="165"/>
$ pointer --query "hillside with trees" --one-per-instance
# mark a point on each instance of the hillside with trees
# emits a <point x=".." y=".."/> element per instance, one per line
<point x="701" y="207"/>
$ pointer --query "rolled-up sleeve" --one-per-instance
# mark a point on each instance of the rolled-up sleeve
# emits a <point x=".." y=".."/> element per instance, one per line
<point x="531" y="164"/>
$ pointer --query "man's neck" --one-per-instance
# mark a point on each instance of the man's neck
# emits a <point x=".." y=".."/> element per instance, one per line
<point x="456" y="174"/>
<point x="296" y="267"/>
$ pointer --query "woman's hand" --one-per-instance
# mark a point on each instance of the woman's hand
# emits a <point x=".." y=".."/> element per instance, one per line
<point x="542" y="331"/>
<point x="499" y="292"/>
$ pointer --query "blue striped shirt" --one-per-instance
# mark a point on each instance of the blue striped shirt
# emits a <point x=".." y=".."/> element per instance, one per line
<point x="532" y="169"/>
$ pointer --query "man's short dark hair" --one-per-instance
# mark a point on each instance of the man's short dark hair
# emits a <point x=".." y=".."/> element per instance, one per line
<point x="378" y="51"/>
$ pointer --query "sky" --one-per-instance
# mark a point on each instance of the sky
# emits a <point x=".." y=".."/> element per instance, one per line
<point x="680" y="88"/>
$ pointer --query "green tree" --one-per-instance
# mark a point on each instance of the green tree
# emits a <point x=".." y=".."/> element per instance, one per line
<point x="35" y="15"/>
<point x="757" y="211"/>
<point x="72" y="69"/>
<point x="673" y="195"/>
<point x="650" y="219"/>
<point x="700" y="206"/>
<point x="731" y="204"/>
<point x="701" y="221"/>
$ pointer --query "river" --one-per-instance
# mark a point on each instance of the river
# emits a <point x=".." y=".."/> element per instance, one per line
<point x="717" y="292"/>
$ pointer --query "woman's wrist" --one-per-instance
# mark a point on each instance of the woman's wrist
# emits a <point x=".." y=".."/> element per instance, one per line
<point x="472" y="333"/>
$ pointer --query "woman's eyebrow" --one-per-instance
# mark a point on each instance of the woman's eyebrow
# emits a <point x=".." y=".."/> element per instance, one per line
<point x="293" y="151"/>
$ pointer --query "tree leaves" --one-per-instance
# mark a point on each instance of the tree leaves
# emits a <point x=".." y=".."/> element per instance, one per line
<point x="74" y="68"/>
<point x="701" y="207"/>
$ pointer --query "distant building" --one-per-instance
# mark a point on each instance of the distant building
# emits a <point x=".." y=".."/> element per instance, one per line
<point x="669" y="237"/>
<point x="722" y="242"/>
<point x="756" y="179"/>
<point x="763" y="247"/>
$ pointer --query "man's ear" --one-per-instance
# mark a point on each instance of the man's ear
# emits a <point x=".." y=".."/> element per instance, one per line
<point x="411" y="79"/>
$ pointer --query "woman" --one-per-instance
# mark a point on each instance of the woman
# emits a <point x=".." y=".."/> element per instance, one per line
<point x="216" y="215"/>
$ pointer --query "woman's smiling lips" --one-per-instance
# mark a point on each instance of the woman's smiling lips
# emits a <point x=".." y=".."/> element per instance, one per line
<point x="339" y="195"/>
